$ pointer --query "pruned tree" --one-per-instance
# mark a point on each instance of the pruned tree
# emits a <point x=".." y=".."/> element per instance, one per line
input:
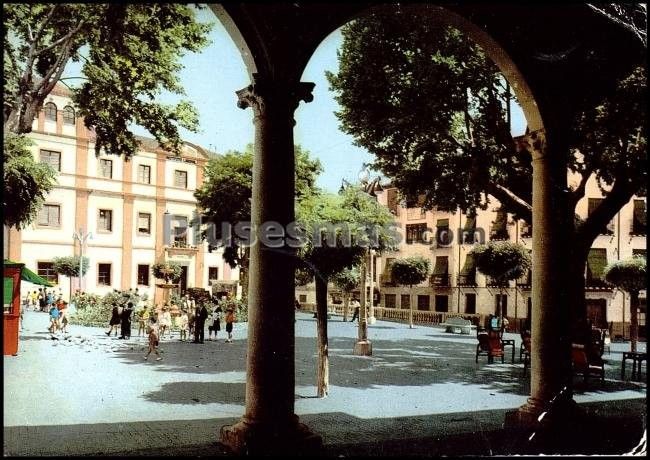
<point x="347" y="280"/>
<point x="337" y="230"/>
<point x="502" y="261"/>
<point x="69" y="266"/>
<point x="410" y="272"/>
<point x="631" y="276"/>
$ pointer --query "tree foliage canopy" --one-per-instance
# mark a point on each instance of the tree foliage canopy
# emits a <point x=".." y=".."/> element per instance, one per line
<point x="410" y="271"/>
<point x="630" y="275"/>
<point x="26" y="182"/>
<point x="338" y="229"/>
<point x="168" y="271"/>
<point x="69" y="266"/>
<point x="502" y="260"/>
<point x="225" y="196"/>
<point x="347" y="280"/>
<point x="130" y="54"/>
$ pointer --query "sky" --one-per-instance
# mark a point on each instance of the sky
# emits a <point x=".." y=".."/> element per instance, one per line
<point x="211" y="77"/>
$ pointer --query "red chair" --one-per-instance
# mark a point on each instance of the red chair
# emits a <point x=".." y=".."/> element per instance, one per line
<point x="585" y="364"/>
<point x="489" y="344"/>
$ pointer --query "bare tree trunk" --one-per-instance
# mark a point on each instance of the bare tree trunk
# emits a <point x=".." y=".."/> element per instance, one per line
<point x="634" y="319"/>
<point x="346" y="305"/>
<point x="322" y="377"/>
<point x="410" y="308"/>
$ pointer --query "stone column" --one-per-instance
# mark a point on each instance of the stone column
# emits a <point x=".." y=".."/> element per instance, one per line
<point x="269" y="425"/>
<point x="363" y="347"/>
<point x="550" y="373"/>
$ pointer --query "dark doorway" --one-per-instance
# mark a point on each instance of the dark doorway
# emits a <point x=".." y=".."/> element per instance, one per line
<point x="597" y="312"/>
<point x="470" y="303"/>
<point x="183" y="280"/>
<point x="501" y="305"/>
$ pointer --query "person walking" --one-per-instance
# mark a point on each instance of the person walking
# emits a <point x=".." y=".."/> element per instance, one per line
<point x="114" y="321"/>
<point x="62" y="306"/>
<point x="230" y="320"/>
<point x="357" y="306"/>
<point x="143" y="316"/>
<point x="215" y="322"/>
<point x="125" y="321"/>
<point x="54" y="319"/>
<point x="152" y="331"/>
<point x="200" y="315"/>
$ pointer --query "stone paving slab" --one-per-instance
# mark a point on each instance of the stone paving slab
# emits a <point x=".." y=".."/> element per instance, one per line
<point x="100" y="397"/>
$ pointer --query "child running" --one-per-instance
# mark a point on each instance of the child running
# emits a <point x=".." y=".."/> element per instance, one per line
<point x="152" y="330"/>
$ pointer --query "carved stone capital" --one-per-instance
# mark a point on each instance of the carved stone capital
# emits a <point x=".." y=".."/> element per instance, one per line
<point x="533" y="142"/>
<point x="268" y="97"/>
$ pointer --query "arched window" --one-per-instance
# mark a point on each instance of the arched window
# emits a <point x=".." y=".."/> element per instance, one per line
<point x="50" y="111"/>
<point x="68" y="115"/>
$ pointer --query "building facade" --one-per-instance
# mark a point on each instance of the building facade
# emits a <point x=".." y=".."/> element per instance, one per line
<point x="137" y="210"/>
<point x="457" y="287"/>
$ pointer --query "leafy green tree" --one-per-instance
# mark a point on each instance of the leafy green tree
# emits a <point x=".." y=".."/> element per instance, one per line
<point x="338" y="230"/>
<point x="409" y="272"/>
<point x="69" y="266"/>
<point x="432" y="108"/>
<point x="26" y="182"/>
<point x="502" y="261"/>
<point x="130" y="54"/>
<point x="170" y="272"/>
<point x="225" y="199"/>
<point x="347" y="281"/>
<point x="631" y="276"/>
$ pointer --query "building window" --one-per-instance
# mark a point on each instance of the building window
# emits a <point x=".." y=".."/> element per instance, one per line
<point x="144" y="174"/>
<point x="180" y="179"/>
<point x="440" y="276"/>
<point x="526" y="230"/>
<point x="68" y="115"/>
<point x="179" y="231"/>
<point x="105" y="222"/>
<point x="415" y="233"/>
<point x="104" y="274"/>
<point x="405" y="301"/>
<point x="46" y="270"/>
<point x="415" y="213"/>
<point x="49" y="216"/>
<point x="423" y="302"/>
<point x="442" y="302"/>
<point x="443" y="235"/>
<point x="639" y="218"/>
<point x="106" y="168"/>
<point x="501" y="304"/>
<point x="213" y="273"/>
<point x="389" y="300"/>
<point x="143" y="275"/>
<point x="50" y="111"/>
<point x="467" y="276"/>
<point x="144" y="223"/>
<point x="639" y="253"/>
<point x="499" y="229"/>
<point x="469" y="231"/>
<point x="302" y="298"/>
<point x="592" y="205"/>
<point x="470" y="303"/>
<point x="596" y="263"/>
<point x="52" y="158"/>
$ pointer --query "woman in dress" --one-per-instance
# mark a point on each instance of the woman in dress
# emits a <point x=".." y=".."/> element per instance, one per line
<point x="115" y="320"/>
<point x="152" y="331"/>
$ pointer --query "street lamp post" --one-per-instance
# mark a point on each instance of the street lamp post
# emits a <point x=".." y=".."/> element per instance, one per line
<point x="81" y="237"/>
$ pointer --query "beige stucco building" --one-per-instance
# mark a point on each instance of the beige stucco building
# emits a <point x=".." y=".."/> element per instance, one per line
<point x="124" y="204"/>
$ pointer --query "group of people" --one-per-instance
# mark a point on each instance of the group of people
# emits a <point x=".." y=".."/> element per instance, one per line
<point x="58" y="317"/>
<point x="43" y="299"/>
<point x="156" y="323"/>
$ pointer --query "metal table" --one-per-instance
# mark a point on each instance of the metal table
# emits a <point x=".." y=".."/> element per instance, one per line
<point x="637" y="358"/>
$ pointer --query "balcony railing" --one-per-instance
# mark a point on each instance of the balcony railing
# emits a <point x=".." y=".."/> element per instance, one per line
<point x="491" y="282"/>
<point x="467" y="280"/>
<point x="439" y="280"/>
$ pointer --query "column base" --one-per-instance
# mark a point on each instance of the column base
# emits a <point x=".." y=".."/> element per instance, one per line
<point x="363" y="348"/>
<point x="543" y="427"/>
<point x="256" y="438"/>
<point x="372" y="320"/>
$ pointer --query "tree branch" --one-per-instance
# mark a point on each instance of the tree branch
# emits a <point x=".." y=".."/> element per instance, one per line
<point x="579" y="192"/>
<point x="640" y="32"/>
<point x="511" y="201"/>
<point x="63" y="39"/>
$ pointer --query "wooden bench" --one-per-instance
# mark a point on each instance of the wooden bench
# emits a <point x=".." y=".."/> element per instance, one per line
<point x="458" y="325"/>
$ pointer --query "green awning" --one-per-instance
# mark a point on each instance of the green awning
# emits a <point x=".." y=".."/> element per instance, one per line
<point x="470" y="265"/>
<point x="441" y="223"/>
<point x="596" y="263"/>
<point x="27" y="275"/>
<point x="441" y="267"/>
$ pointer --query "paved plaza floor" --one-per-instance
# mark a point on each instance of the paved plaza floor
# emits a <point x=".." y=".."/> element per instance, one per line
<point x="96" y="395"/>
